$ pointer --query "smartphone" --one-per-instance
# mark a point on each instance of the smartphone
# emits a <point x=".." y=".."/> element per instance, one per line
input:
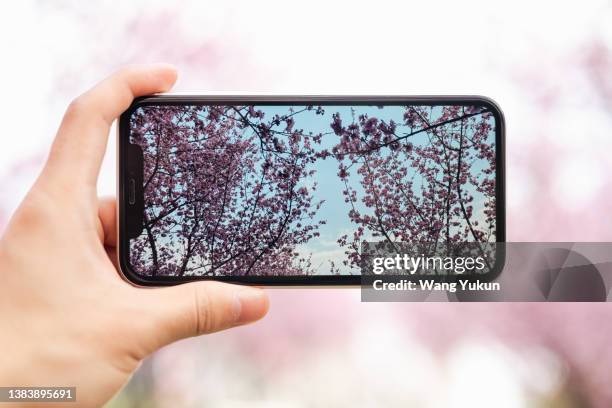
<point x="284" y="190"/>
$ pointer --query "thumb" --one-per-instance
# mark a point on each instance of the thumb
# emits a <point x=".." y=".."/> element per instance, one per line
<point x="199" y="308"/>
<point x="80" y="144"/>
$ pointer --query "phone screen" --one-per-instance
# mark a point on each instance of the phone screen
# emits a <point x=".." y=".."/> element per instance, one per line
<point x="280" y="189"/>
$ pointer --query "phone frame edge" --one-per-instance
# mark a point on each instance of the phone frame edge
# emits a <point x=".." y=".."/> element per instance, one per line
<point x="325" y="281"/>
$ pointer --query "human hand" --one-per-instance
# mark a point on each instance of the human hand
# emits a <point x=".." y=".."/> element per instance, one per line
<point x="66" y="317"/>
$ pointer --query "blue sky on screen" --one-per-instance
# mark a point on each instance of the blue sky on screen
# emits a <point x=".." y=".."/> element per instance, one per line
<point x="329" y="186"/>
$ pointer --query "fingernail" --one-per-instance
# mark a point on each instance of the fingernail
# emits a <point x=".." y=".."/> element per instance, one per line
<point x="163" y="65"/>
<point x="251" y="305"/>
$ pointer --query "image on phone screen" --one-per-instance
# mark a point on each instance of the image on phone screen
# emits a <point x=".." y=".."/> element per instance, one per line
<point x="282" y="189"/>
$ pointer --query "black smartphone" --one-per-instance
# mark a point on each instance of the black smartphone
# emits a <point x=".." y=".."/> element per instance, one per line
<point x="284" y="190"/>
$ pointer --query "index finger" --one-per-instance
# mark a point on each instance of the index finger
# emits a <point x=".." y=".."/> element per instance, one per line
<point x="79" y="146"/>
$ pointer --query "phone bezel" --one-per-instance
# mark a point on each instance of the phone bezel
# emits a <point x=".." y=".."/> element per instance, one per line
<point x="123" y="131"/>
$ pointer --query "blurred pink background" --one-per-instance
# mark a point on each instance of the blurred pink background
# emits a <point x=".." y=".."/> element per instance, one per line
<point x="548" y="65"/>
